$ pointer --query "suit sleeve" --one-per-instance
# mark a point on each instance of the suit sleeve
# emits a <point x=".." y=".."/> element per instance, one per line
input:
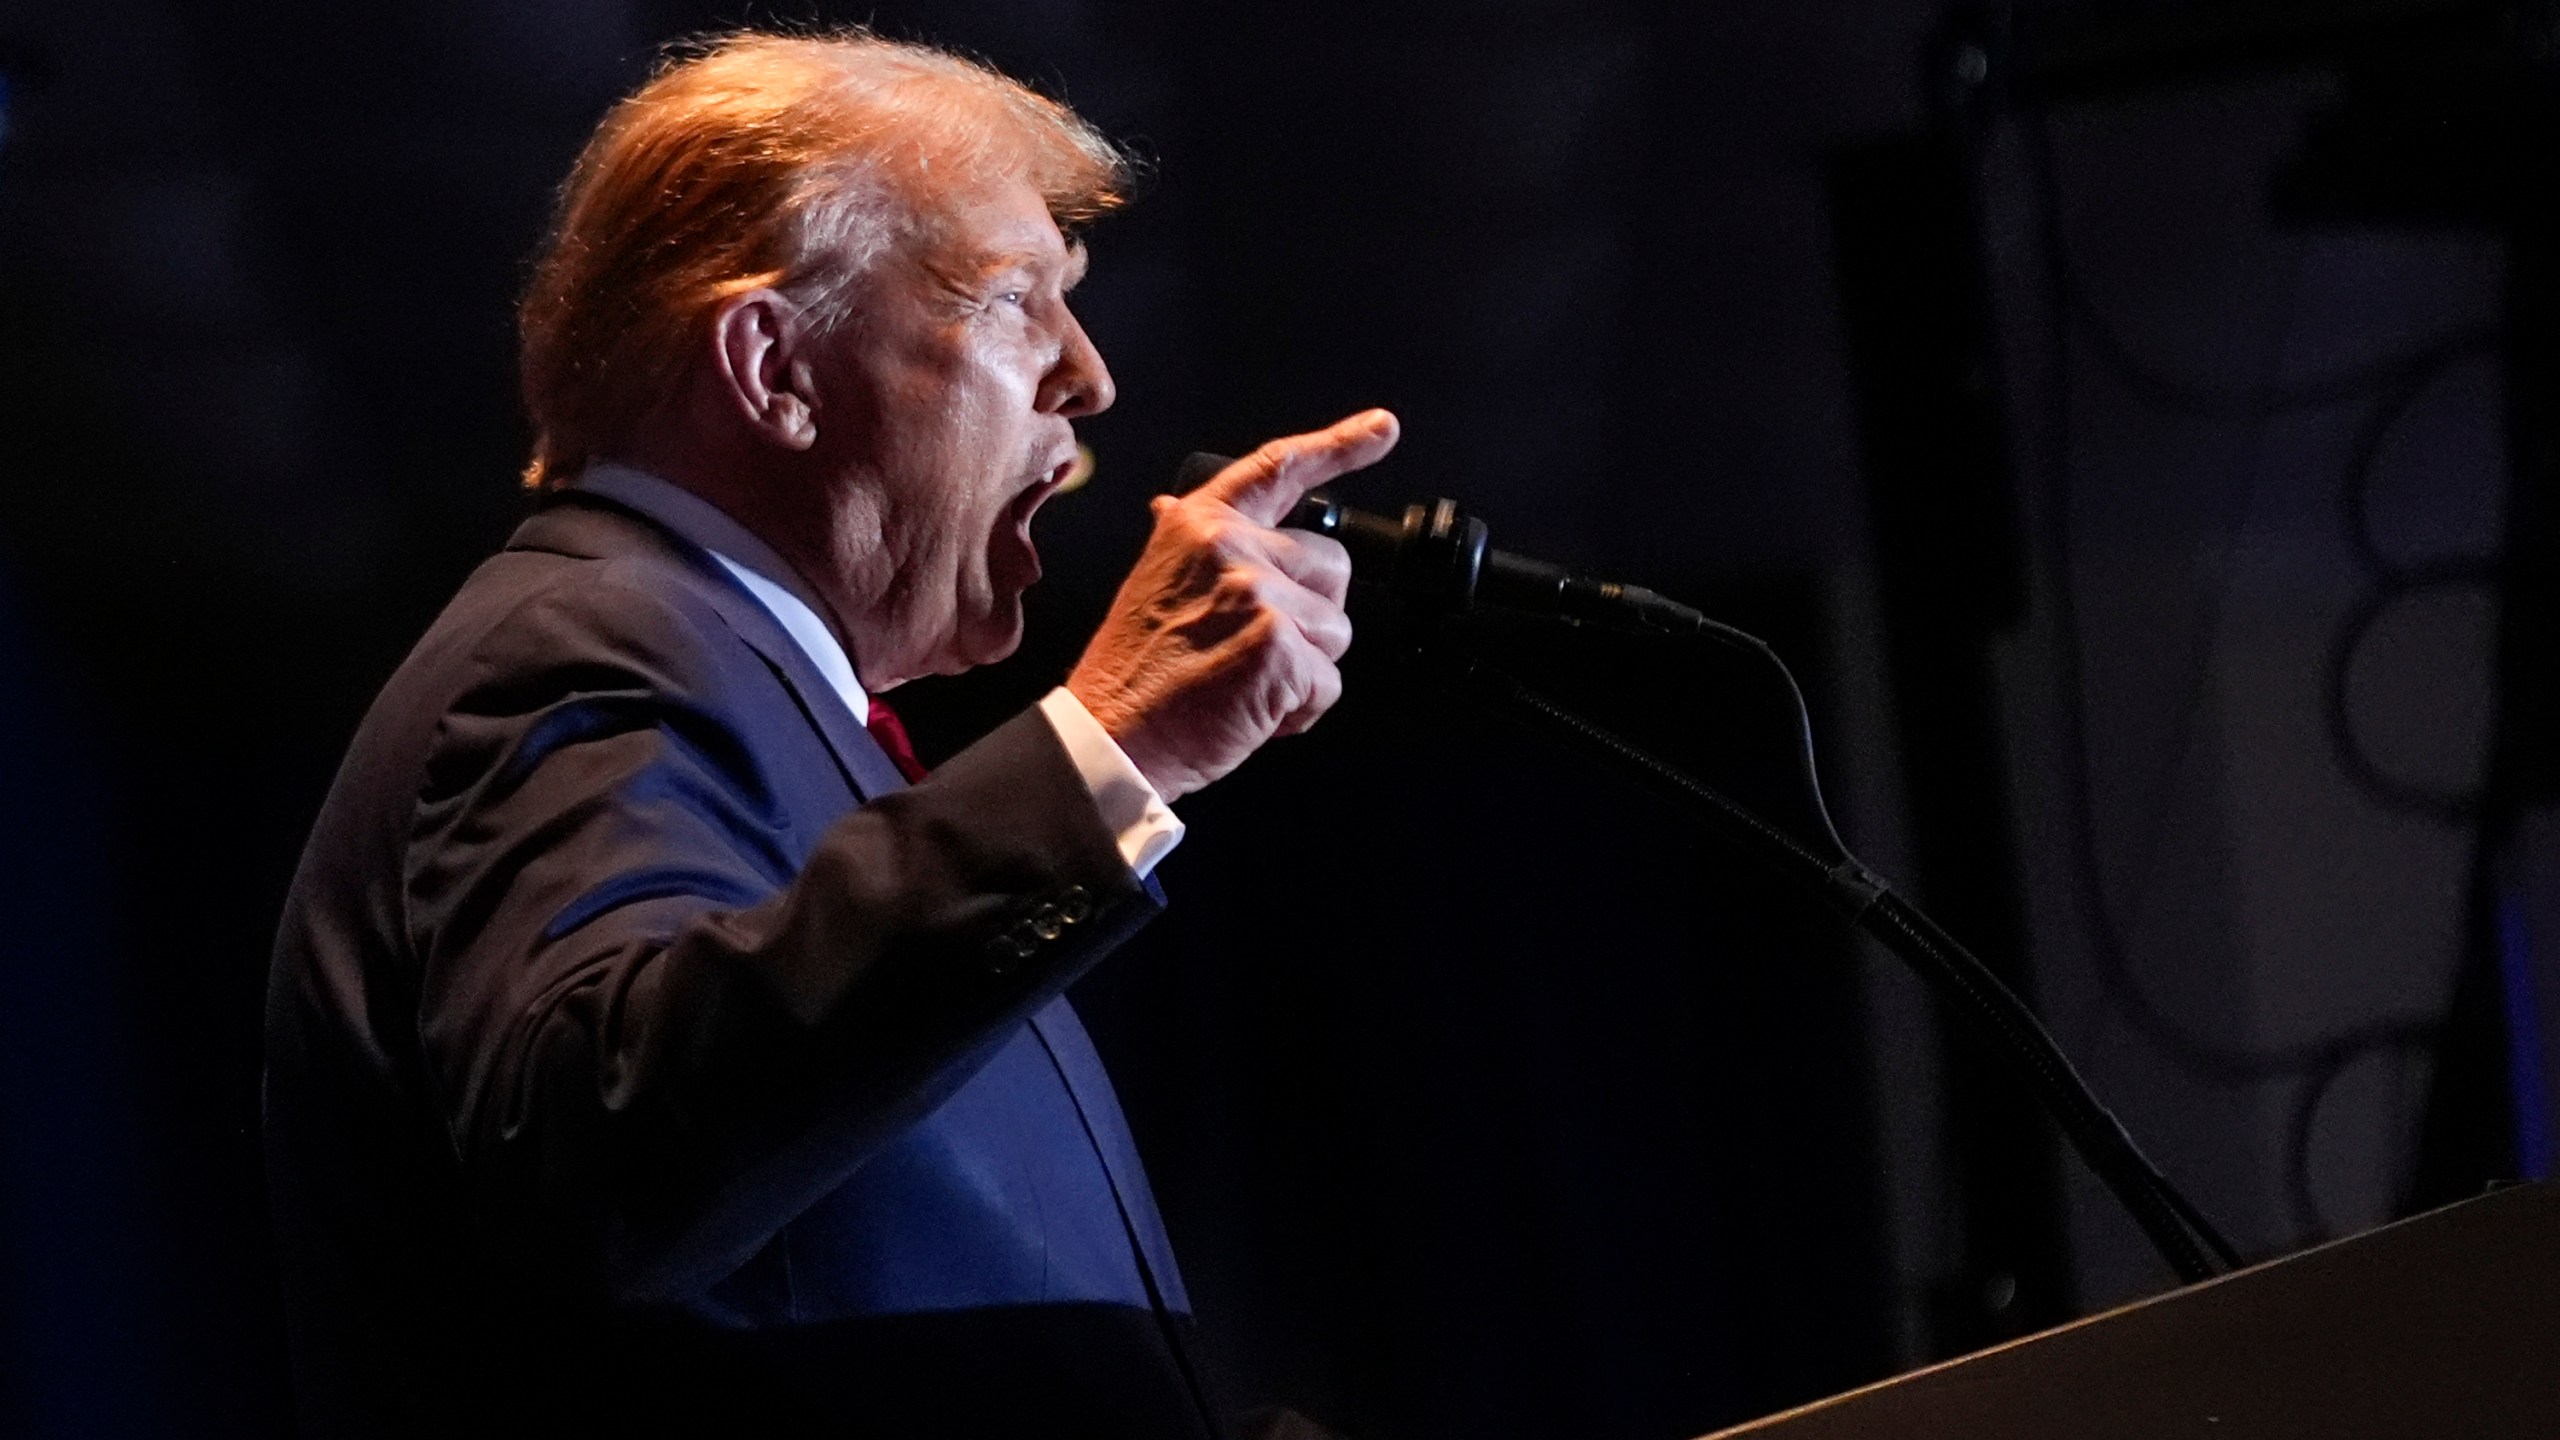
<point x="654" y="1040"/>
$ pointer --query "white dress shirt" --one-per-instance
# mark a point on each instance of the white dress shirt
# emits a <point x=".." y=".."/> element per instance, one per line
<point x="1146" y="827"/>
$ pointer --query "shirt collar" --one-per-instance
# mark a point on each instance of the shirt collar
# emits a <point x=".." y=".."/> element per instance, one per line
<point x="754" y="564"/>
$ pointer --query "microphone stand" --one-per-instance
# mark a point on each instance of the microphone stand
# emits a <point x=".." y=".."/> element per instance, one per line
<point x="2189" y="1243"/>
<point x="1437" y="559"/>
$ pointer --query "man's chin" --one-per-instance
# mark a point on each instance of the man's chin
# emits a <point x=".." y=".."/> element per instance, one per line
<point x="990" y="639"/>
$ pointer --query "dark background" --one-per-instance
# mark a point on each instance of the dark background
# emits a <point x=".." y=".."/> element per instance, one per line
<point x="1481" y="1097"/>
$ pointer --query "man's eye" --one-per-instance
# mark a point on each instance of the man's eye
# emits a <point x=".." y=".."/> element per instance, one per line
<point x="1012" y="297"/>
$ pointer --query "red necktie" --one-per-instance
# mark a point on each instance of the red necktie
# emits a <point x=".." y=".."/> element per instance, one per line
<point x="891" y="732"/>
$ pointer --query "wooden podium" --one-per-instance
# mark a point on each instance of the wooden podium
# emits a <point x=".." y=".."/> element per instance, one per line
<point x="2442" y="1327"/>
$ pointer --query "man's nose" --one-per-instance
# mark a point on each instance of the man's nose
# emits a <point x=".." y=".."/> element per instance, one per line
<point x="1079" y="384"/>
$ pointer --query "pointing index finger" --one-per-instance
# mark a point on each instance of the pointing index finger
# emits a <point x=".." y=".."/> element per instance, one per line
<point x="1265" y="484"/>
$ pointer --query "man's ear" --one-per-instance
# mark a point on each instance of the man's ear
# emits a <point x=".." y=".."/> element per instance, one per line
<point x="756" y="340"/>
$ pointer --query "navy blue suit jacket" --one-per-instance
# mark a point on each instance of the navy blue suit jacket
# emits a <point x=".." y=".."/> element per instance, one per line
<point x="644" y="1055"/>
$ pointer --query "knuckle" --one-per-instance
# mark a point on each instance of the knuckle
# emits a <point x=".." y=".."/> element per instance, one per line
<point x="1239" y="588"/>
<point x="1335" y="639"/>
<point x="1308" y="555"/>
<point x="1271" y="459"/>
<point x="1231" y="535"/>
<point x="1324" y="688"/>
<point x="1200" y="519"/>
<point x="1260" y="637"/>
<point x="1307" y="666"/>
<point x="1176" y="523"/>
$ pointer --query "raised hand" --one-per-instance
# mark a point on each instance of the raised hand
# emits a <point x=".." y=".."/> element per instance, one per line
<point x="1228" y="630"/>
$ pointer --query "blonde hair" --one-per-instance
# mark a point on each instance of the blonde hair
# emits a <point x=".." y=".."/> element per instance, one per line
<point x="762" y="160"/>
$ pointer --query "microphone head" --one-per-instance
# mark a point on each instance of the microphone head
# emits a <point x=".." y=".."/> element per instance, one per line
<point x="1431" y="557"/>
<point x="1196" y="468"/>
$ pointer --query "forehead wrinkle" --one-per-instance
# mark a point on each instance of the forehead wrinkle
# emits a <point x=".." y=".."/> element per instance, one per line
<point x="985" y="260"/>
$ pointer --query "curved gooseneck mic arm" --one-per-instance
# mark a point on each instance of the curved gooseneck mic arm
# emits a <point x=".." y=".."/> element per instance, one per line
<point x="2186" y="1240"/>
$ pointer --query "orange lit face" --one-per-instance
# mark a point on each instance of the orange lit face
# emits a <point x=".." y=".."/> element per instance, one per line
<point x="961" y="376"/>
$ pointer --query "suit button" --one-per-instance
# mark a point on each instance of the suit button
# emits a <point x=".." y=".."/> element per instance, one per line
<point x="1075" y="906"/>
<point x="1048" y="923"/>
<point x="1008" y="950"/>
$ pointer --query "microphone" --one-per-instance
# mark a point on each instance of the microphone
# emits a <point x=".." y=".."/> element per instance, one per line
<point x="1437" y="559"/>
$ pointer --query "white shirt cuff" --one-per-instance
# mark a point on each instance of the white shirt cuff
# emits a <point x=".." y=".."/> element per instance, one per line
<point x="1147" y="829"/>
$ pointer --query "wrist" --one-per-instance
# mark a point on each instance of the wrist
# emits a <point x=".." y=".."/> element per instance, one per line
<point x="1169" y="779"/>
<point x="1111" y="708"/>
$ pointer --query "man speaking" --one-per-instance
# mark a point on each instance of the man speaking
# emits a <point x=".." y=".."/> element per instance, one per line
<point x="652" y="1047"/>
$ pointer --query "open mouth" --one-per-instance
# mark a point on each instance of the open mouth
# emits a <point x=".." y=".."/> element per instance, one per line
<point x="1051" y="482"/>
<point x="1018" y="513"/>
<point x="1028" y="503"/>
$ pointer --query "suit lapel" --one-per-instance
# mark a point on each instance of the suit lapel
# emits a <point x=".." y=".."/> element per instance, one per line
<point x="866" y="766"/>
<point x="586" y="525"/>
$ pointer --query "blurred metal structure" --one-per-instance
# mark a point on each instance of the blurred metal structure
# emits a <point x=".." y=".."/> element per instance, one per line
<point x="2446" y="114"/>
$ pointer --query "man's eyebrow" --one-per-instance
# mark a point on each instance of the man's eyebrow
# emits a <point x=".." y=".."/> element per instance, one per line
<point x="997" y="260"/>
